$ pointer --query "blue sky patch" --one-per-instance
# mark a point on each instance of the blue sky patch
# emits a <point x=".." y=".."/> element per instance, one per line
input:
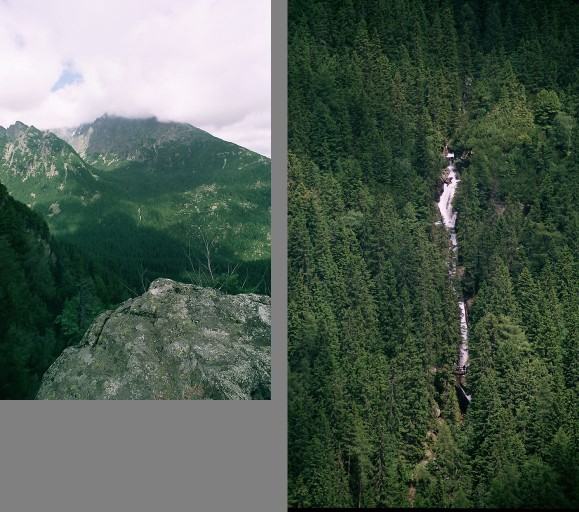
<point x="68" y="76"/>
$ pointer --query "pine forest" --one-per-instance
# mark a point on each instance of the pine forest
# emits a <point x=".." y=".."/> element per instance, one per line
<point x="433" y="240"/>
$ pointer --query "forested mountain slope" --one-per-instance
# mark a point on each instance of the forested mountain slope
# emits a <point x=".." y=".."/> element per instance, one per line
<point x="376" y="90"/>
<point x="133" y="200"/>
<point x="49" y="295"/>
<point x="149" y="198"/>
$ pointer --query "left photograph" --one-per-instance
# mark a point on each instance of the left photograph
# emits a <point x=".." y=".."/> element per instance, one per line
<point x="135" y="183"/>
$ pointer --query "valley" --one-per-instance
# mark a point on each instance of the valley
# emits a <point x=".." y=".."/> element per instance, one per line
<point x="152" y="199"/>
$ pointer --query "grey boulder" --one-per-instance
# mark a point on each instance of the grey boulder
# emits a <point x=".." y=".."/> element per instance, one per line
<point x="174" y="342"/>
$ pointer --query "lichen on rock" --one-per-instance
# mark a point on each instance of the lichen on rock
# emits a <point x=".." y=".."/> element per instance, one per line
<point x="174" y="342"/>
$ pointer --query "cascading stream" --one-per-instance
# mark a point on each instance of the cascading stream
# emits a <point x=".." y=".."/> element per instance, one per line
<point x="448" y="215"/>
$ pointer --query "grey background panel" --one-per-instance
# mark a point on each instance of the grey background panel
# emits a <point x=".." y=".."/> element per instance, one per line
<point x="139" y="456"/>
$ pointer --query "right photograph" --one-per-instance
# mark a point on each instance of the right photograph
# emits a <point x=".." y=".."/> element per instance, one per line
<point x="433" y="276"/>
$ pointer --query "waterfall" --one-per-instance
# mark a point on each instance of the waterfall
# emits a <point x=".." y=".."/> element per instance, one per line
<point x="448" y="214"/>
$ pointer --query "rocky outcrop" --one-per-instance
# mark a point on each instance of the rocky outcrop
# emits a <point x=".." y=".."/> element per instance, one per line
<point x="28" y="153"/>
<point x="176" y="341"/>
<point x="112" y="139"/>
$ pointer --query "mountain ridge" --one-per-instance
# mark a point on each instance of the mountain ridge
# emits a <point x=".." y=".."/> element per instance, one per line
<point x="150" y="129"/>
<point x="153" y="185"/>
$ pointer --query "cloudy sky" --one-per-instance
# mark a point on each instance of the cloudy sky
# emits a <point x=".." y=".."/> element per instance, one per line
<point x="204" y="62"/>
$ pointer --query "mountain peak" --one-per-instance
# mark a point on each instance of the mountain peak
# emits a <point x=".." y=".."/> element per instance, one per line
<point x="121" y="138"/>
<point x="109" y="116"/>
<point x="114" y="118"/>
<point x="17" y="128"/>
<point x="23" y="134"/>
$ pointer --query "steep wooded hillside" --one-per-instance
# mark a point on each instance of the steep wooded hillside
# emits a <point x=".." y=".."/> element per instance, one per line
<point x="49" y="295"/>
<point x="376" y="91"/>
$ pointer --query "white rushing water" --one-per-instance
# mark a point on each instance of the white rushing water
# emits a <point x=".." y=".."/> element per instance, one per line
<point x="449" y="220"/>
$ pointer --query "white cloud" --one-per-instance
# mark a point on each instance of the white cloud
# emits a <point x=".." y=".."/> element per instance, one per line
<point x="205" y="62"/>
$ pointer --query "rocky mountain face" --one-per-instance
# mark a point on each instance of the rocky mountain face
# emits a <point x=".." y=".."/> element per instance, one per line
<point x="150" y="198"/>
<point x="36" y="164"/>
<point x="29" y="149"/>
<point x="174" y="342"/>
<point x="112" y="139"/>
